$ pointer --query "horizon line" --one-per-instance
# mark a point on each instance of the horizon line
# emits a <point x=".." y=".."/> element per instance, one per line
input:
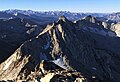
<point x="62" y="11"/>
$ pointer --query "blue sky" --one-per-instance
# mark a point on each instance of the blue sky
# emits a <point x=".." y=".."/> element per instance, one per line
<point x="102" y="6"/>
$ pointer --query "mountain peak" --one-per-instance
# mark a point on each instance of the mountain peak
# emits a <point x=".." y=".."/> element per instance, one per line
<point x="62" y="18"/>
<point x="48" y="27"/>
<point x="90" y="19"/>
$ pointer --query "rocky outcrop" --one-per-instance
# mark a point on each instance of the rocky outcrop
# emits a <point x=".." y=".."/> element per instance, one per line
<point x="91" y="24"/>
<point x="116" y="28"/>
<point x="64" y="53"/>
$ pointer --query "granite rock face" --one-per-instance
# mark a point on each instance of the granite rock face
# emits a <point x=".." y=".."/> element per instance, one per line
<point x="64" y="53"/>
<point x="116" y="28"/>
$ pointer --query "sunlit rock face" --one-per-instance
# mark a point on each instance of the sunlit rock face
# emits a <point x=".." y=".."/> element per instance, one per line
<point x="116" y="28"/>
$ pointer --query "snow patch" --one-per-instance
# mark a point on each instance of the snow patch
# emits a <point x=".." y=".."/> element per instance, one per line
<point x="16" y="14"/>
<point x="75" y="21"/>
<point x="60" y="63"/>
<point x="94" y="68"/>
<point x="10" y="18"/>
<point x="30" y="30"/>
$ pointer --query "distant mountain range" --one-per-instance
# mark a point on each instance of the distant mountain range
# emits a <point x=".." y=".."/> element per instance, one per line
<point x="54" y="15"/>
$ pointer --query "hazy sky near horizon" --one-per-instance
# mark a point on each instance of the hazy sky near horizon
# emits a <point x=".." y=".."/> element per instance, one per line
<point x="102" y="6"/>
